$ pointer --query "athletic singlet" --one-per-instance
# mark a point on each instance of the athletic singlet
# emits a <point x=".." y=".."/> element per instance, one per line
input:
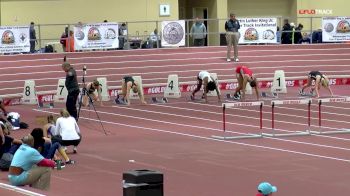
<point x="204" y="74"/>
<point x="129" y="79"/>
<point x="245" y="70"/>
<point x="91" y="89"/>
<point x="314" y="74"/>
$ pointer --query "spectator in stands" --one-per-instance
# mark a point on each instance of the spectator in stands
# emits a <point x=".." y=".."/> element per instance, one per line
<point x="209" y="84"/>
<point x="154" y="39"/>
<point x="298" y="34"/>
<point x="317" y="36"/>
<point x="90" y="88"/>
<point x="105" y="21"/>
<point x="232" y="36"/>
<point x="266" y="189"/>
<point x="73" y="89"/>
<point x="305" y="39"/>
<point x="286" y="37"/>
<point x="123" y="32"/>
<point x="70" y="42"/>
<point x="2" y="107"/>
<point x="278" y="35"/>
<point x="319" y="80"/>
<point x="29" y="167"/>
<point x="245" y="75"/>
<point x="198" y="32"/>
<point x="68" y="129"/>
<point x="128" y="83"/>
<point x="32" y="37"/>
<point x="64" y="38"/>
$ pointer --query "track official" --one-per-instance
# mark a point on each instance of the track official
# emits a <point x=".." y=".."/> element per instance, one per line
<point x="73" y="89"/>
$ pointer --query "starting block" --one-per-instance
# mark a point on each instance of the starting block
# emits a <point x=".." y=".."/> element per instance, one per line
<point x="159" y="100"/>
<point x="269" y="95"/>
<point x="119" y="101"/>
<point x="194" y="99"/>
<point x="232" y="97"/>
<point x="310" y="94"/>
<point x="42" y="104"/>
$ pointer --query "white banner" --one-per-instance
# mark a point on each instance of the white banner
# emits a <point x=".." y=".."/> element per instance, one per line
<point x="335" y="29"/>
<point x="96" y="36"/>
<point x="173" y="33"/>
<point x="14" y="39"/>
<point x="257" y="30"/>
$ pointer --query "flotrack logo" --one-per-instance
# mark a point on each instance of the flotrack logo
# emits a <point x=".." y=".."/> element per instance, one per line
<point x="316" y="11"/>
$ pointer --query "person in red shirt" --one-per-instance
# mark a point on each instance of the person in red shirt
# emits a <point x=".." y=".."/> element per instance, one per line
<point x="245" y="75"/>
<point x="266" y="189"/>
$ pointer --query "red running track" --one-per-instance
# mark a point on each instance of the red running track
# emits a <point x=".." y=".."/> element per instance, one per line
<point x="175" y="138"/>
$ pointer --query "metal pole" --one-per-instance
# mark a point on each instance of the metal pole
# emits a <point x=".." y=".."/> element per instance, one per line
<point x="309" y="115"/>
<point x="39" y="36"/>
<point x="188" y="35"/>
<point x="273" y="118"/>
<point x="319" y="114"/>
<point x="224" y="117"/>
<point x="261" y="105"/>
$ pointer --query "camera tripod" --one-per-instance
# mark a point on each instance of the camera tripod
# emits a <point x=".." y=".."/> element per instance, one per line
<point x="84" y="92"/>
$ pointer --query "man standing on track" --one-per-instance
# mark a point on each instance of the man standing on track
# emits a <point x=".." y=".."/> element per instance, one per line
<point x="209" y="84"/>
<point x="245" y="75"/>
<point x="232" y="36"/>
<point x="73" y="89"/>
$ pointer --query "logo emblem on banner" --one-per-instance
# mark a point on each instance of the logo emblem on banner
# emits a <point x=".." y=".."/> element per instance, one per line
<point x="268" y="34"/>
<point x="251" y="34"/>
<point x="328" y="27"/>
<point x="8" y="37"/>
<point x="343" y="27"/>
<point x="94" y="34"/>
<point x="110" y="34"/>
<point x="173" y="33"/>
<point x="80" y="35"/>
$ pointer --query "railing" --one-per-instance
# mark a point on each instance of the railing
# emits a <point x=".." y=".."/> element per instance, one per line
<point x="139" y="31"/>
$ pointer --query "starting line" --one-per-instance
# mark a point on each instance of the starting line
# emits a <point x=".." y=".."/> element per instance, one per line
<point x="307" y="101"/>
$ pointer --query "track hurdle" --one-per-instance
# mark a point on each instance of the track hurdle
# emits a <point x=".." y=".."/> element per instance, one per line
<point x="329" y="100"/>
<point x="288" y="102"/>
<point x="235" y="105"/>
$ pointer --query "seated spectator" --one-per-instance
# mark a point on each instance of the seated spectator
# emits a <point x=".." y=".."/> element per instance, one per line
<point x="8" y="147"/>
<point x="2" y="107"/>
<point x="47" y="148"/>
<point x="266" y="189"/>
<point x="29" y="167"/>
<point x="306" y="39"/>
<point x="68" y="129"/>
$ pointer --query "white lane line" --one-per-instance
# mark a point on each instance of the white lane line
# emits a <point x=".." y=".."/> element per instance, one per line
<point x="217" y="140"/>
<point x="19" y="190"/>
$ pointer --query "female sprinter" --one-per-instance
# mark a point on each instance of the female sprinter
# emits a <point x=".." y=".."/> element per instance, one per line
<point x="245" y="75"/>
<point x="320" y="80"/>
<point x="129" y="83"/>
<point x="209" y="84"/>
<point x="90" y="90"/>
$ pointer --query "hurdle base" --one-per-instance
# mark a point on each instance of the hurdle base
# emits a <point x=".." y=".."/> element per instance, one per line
<point x="236" y="137"/>
<point x="285" y="134"/>
<point x="330" y="132"/>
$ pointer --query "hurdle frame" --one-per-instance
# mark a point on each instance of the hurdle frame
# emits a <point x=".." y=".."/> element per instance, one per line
<point x="289" y="102"/>
<point x="246" y="136"/>
<point x="329" y="100"/>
